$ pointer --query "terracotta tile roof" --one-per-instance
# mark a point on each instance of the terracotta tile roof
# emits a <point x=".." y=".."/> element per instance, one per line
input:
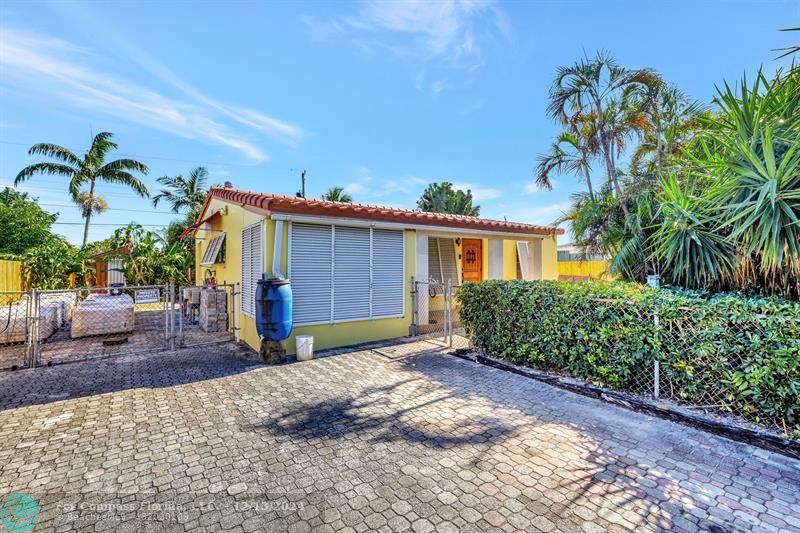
<point x="275" y="203"/>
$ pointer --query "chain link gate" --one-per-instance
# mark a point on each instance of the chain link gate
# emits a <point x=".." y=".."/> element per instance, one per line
<point x="83" y="323"/>
<point x="206" y="314"/>
<point x="15" y="345"/>
<point x="435" y="314"/>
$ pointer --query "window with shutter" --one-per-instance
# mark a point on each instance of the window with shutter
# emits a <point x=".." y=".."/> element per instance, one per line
<point x="351" y="267"/>
<point x="442" y="264"/>
<point x="388" y="273"/>
<point x="522" y="257"/>
<point x="213" y="249"/>
<point x="343" y="273"/>
<point x="252" y="265"/>
<point x="310" y="272"/>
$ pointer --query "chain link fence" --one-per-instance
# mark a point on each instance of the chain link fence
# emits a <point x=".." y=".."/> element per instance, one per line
<point x="723" y="361"/>
<point x="435" y="314"/>
<point x="206" y="314"/>
<point x="14" y="324"/>
<point x="46" y="327"/>
<point x="82" y="323"/>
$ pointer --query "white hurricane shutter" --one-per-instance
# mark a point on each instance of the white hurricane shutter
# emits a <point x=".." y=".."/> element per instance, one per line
<point x="252" y="265"/>
<point x="311" y="272"/>
<point x="442" y="260"/>
<point x="388" y="274"/>
<point x="351" y="273"/>
<point x="212" y="251"/>
<point x="522" y="257"/>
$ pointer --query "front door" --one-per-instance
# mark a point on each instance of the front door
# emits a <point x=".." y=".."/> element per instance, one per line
<point x="472" y="259"/>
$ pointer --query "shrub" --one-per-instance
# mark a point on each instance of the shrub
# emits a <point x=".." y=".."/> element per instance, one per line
<point x="726" y="352"/>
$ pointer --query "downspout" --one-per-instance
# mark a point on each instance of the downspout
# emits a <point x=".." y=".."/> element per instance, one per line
<point x="277" y="250"/>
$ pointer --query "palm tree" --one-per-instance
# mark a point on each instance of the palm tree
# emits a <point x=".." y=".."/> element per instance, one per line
<point x="570" y="153"/>
<point x="89" y="204"/>
<point x="671" y="121"/>
<point x="337" y="194"/>
<point x="443" y="198"/>
<point x="183" y="193"/>
<point x="89" y="169"/>
<point x="608" y="96"/>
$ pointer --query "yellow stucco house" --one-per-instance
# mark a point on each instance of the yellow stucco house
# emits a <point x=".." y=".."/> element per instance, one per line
<point x="351" y="266"/>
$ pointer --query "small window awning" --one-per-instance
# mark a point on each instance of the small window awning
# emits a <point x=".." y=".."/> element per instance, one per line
<point x="196" y="225"/>
<point x="212" y="251"/>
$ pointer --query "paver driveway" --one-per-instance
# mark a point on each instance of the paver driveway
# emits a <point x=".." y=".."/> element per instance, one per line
<point x="385" y="440"/>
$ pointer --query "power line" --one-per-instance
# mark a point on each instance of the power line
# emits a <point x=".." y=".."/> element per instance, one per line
<point x="118" y="209"/>
<point x="77" y="152"/>
<point x="110" y="224"/>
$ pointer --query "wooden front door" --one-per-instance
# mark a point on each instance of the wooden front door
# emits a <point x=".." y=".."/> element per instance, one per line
<point x="472" y="259"/>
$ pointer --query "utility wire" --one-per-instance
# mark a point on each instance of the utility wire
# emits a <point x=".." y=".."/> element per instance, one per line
<point x="118" y="209"/>
<point x="81" y="152"/>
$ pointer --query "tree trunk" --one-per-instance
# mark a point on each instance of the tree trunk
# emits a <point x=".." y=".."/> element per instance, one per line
<point x="612" y="174"/>
<point x="88" y="213"/>
<point x="589" y="183"/>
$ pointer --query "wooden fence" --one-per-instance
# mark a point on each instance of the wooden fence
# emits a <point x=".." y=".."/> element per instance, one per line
<point x="11" y="278"/>
<point x="584" y="271"/>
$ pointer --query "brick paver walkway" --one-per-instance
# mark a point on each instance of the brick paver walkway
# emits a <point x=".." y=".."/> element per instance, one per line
<point x="388" y="440"/>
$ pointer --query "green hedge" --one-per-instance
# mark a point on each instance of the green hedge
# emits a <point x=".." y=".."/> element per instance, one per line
<point x="728" y="352"/>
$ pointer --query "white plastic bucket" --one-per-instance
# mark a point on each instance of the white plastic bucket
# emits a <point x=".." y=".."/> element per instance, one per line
<point x="305" y="347"/>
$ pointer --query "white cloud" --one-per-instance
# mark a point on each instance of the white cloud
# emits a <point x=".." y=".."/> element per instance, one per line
<point x="531" y="187"/>
<point x="369" y="187"/>
<point x="451" y="31"/>
<point x="543" y="215"/>
<point x="479" y="193"/>
<point x="49" y="66"/>
<point x="444" y="27"/>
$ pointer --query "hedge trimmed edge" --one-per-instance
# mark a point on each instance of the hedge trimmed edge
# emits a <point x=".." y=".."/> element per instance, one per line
<point x="726" y="353"/>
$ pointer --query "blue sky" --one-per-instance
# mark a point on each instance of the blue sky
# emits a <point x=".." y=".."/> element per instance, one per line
<point x="379" y="97"/>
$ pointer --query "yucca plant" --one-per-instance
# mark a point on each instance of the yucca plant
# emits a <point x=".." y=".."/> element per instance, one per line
<point x="688" y="239"/>
<point x="752" y="150"/>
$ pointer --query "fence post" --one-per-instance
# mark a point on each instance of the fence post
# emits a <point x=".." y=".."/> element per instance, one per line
<point x="37" y="302"/>
<point x="414" y="308"/>
<point x="172" y="316"/>
<point x="234" y="314"/>
<point x="450" y="313"/>
<point x="656" y="362"/>
<point x="29" y="349"/>
<point x="180" y="317"/>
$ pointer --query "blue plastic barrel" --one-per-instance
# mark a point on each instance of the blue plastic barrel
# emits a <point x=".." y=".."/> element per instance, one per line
<point x="274" y="308"/>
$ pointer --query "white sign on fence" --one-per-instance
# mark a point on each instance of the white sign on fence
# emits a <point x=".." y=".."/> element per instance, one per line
<point x="148" y="296"/>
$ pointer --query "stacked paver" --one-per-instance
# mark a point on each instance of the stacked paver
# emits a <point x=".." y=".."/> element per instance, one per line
<point x="213" y="310"/>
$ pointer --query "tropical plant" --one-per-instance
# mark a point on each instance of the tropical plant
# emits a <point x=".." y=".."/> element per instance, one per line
<point x="727" y="351"/>
<point x="25" y="224"/>
<point x="89" y="204"/>
<point x="610" y="98"/>
<point x="671" y="122"/>
<point x="49" y="265"/>
<point x="443" y="198"/>
<point x="789" y="50"/>
<point x="183" y="193"/>
<point x="337" y="194"/>
<point x="152" y="260"/>
<point x="89" y="169"/>
<point x="571" y="153"/>
<point x="688" y="242"/>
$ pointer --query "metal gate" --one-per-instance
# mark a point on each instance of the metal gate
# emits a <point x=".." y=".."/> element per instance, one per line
<point x="206" y="314"/>
<point x="76" y="324"/>
<point x="15" y="348"/>
<point x="435" y="314"/>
